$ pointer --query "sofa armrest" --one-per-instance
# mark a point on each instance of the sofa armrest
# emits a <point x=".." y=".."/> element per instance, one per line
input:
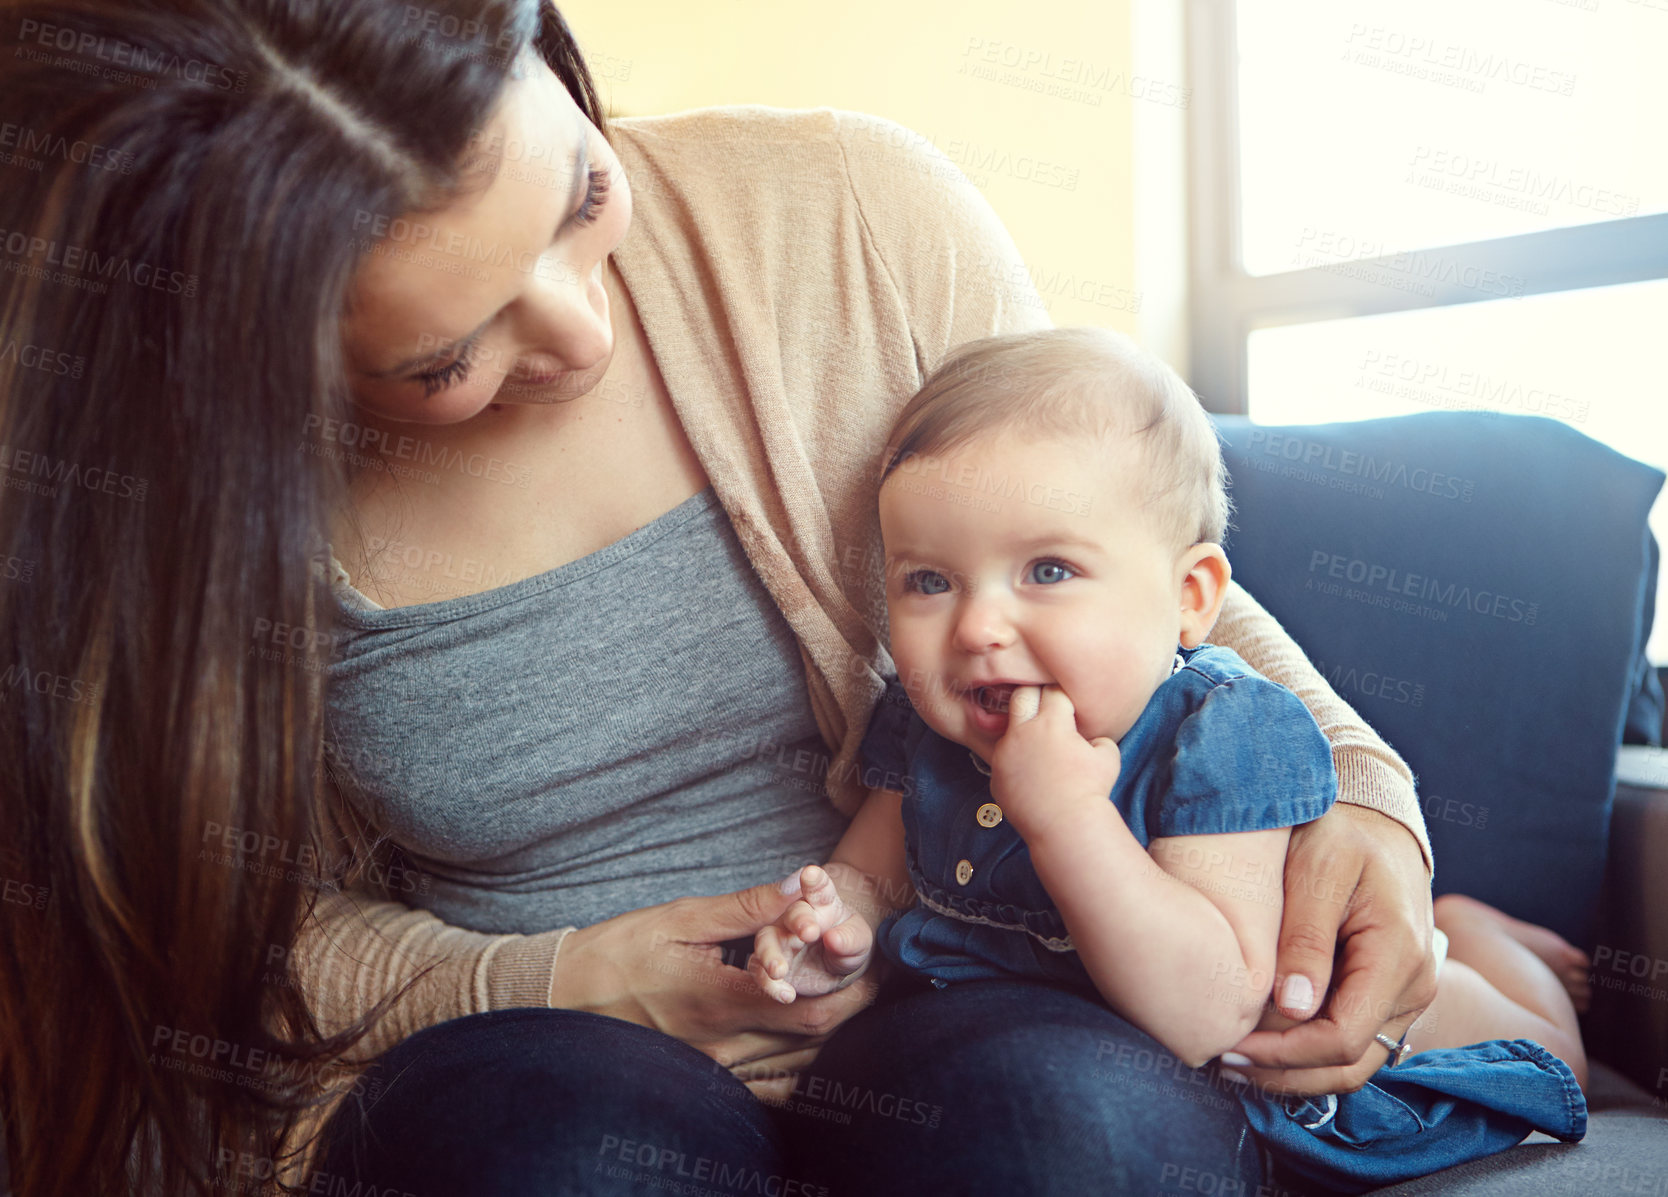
<point x="1627" y="1026"/>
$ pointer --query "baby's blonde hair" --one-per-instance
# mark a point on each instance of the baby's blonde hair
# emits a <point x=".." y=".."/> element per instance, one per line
<point x="1077" y="383"/>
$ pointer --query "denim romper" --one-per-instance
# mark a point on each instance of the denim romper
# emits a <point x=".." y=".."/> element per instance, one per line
<point x="1218" y="748"/>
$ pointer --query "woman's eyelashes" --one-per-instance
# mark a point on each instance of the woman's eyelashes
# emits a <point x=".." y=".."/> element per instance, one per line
<point x="439" y="379"/>
<point x="596" y="195"/>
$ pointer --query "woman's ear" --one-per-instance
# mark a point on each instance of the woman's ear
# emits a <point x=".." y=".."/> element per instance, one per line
<point x="1204" y="587"/>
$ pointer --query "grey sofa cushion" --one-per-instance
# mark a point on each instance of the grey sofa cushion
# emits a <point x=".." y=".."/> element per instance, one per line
<point x="1625" y="1151"/>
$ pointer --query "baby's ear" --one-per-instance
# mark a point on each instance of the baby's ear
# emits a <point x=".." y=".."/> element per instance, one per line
<point x="1204" y="588"/>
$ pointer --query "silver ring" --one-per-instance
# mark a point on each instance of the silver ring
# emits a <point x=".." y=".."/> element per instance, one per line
<point x="1398" y="1051"/>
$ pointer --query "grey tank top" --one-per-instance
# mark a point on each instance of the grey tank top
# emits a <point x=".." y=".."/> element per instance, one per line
<point x="628" y="728"/>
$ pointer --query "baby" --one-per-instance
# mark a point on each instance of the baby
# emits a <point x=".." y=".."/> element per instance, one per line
<point x="1093" y="795"/>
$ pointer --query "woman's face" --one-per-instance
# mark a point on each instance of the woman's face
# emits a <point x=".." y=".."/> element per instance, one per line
<point x="499" y="298"/>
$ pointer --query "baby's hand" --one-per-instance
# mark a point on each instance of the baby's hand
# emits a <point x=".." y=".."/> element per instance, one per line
<point x="817" y="946"/>
<point x="1042" y="768"/>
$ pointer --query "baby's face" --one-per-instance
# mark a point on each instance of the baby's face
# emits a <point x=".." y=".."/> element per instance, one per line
<point x="1027" y="562"/>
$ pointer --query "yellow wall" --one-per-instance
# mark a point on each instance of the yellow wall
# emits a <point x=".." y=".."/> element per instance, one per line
<point x="1056" y="167"/>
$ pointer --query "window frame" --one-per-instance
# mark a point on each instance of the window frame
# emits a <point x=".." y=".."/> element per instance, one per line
<point x="1226" y="304"/>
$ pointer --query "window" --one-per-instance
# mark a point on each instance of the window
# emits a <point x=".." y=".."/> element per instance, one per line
<point x="1404" y="206"/>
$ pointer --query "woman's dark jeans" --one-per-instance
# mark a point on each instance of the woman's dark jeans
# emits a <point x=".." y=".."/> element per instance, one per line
<point x="995" y="1087"/>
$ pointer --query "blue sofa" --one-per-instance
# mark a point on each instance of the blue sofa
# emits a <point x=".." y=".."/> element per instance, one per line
<point x="1480" y="588"/>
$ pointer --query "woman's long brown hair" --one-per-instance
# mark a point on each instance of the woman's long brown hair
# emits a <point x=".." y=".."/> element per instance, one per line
<point x="183" y="190"/>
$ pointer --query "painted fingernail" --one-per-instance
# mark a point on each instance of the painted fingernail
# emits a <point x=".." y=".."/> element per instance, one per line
<point x="790" y="883"/>
<point x="1235" y="1060"/>
<point x="1229" y="1074"/>
<point x="1298" y="994"/>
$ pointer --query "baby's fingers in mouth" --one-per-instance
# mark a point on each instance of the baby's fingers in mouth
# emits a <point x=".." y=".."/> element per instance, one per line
<point x="1024" y="702"/>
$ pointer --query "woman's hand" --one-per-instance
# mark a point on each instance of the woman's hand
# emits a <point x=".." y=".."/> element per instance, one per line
<point x="1355" y="876"/>
<point x="660" y="967"/>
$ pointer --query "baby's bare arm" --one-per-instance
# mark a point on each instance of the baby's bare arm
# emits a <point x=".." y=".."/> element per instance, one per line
<point x="868" y="864"/>
<point x="1242" y="874"/>
<point x="1186" y="955"/>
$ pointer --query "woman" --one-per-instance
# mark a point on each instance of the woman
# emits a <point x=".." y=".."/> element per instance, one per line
<point x="519" y="431"/>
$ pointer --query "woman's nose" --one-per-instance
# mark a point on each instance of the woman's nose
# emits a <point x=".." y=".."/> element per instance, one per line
<point x="565" y="317"/>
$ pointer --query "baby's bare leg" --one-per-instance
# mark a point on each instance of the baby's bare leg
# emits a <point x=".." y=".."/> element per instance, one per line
<point x="1567" y="962"/>
<point x="1493" y="986"/>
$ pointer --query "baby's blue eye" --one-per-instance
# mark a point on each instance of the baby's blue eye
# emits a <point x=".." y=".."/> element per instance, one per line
<point x="926" y="581"/>
<point x="1062" y="572"/>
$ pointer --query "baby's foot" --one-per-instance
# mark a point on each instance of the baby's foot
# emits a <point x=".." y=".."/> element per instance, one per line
<point x="1568" y="963"/>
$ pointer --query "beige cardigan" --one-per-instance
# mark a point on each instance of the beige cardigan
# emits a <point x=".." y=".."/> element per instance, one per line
<point x="797" y="274"/>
